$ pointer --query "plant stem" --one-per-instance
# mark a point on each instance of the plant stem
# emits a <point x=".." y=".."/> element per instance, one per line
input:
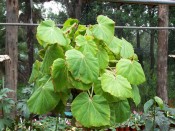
<point x="113" y="61"/>
<point x="92" y="90"/>
<point x="56" y="124"/>
<point x="89" y="93"/>
<point x="154" y="118"/>
<point x="3" y="81"/>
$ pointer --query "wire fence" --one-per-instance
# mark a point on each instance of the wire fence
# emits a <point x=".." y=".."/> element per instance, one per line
<point x="117" y="27"/>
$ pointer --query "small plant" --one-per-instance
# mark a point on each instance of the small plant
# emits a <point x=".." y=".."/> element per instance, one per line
<point x="90" y="59"/>
<point x="6" y="107"/>
<point x="155" y="115"/>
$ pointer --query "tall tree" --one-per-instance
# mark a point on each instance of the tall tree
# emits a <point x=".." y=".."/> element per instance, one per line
<point x="162" y="53"/>
<point x="73" y="7"/>
<point x="151" y="12"/>
<point x="30" y="15"/>
<point x="11" y="47"/>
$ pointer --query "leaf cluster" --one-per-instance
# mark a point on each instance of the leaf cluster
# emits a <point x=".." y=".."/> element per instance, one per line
<point x="90" y="59"/>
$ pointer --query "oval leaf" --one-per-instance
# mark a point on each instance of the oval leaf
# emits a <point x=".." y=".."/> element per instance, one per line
<point x="131" y="70"/>
<point x="136" y="95"/>
<point x="49" y="33"/>
<point x="59" y="75"/>
<point x="91" y="112"/>
<point x="117" y="86"/>
<point x="83" y="67"/>
<point x="159" y="101"/>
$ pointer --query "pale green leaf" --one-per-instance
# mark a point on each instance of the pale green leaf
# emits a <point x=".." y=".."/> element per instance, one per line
<point x="159" y="101"/>
<point x="127" y="50"/>
<point x="86" y="44"/>
<point x="115" y="45"/>
<point x="98" y="91"/>
<point x="44" y="99"/>
<point x="120" y="111"/>
<point x="83" y="67"/>
<point x="103" y="58"/>
<point x="91" y="112"/>
<point x="117" y="86"/>
<point x="59" y="75"/>
<point x="53" y="52"/>
<point x="49" y="33"/>
<point x="104" y="30"/>
<point x="132" y="70"/>
<point x="136" y="95"/>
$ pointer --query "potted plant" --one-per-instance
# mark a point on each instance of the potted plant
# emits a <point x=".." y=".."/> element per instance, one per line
<point x="103" y="68"/>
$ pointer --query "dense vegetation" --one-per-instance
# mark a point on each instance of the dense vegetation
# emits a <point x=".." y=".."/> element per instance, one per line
<point x="73" y="40"/>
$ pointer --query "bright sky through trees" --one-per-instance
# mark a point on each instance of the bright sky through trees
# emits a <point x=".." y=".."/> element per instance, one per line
<point x="53" y="6"/>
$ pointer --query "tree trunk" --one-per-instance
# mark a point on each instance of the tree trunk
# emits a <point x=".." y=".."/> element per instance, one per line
<point x="152" y="59"/>
<point x="30" y="49"/>
<point x="139" y="51"/>
<point x="11" y="48"/>
<point x="30" y="36"/>
<point x="152" y="35"/>
<point x="78" y="9"/>
<point x="162" y="53"/>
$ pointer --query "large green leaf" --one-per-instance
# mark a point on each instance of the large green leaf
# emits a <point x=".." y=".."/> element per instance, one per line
<point x="120" y="111"/>
<point x="49" y="33"/>
<point x="104" y="30"/>
<point x="127" y="50"/>
<point x="53" y="52"/>
<point x="103" y="58"/>
<point x="91" y="112"/>
<point x="117" y="86"/>
<point x="59" y="75"/>
<point x="131" y="70"/>
<point x="35" y="71"/>
<point x="83" y="67"/>
<point x="115" y="45"/>
<point x="86" y="44"/>
<point x="44" y="99"/>
<point x="136" y="94"/>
